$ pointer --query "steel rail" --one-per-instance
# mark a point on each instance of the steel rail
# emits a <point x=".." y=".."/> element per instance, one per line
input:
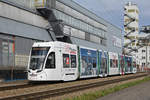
<point x="61" y="91"/>
<point x="24" y="85"/>
<point x="21" y="86"/>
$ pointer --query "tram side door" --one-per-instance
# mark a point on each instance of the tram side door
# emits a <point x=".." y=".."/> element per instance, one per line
<point x="106" y="63"/>
<point x="103" y="63"/>
<point x="122" y="64"/>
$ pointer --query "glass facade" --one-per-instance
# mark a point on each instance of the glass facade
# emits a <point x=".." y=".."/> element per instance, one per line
<point x="77" y="23"/>
<point x="79" y="15"/>
<point x="80" y="26"/>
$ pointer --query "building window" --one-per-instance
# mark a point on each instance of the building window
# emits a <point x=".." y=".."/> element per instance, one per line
<point x="67" y="30"/>
<point x="143" y="64"/>
<point x="87" y="36"/>
<point x="143" y="57"/>
<point x="103" y="42"/>
<point x="95" y="39"/>
<point x="77" y="33"/>
<point x="143" y="51"/>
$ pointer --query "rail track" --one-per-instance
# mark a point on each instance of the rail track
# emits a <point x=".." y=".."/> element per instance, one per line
<point x="61" y="91"/>
<point x="11" y="87"/>
<point x="23" y="85"/>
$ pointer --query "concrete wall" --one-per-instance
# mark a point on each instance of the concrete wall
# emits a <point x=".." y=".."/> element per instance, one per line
<point x="113" y="36"/>
<point x="21" y="15"/>
<point x="13" y="27"/>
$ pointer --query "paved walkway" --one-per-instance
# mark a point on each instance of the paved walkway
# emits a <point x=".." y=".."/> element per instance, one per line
<point x="138" y="92"/>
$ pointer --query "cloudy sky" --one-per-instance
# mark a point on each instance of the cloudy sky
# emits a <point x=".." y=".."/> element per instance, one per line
<point x="112" y="10"/>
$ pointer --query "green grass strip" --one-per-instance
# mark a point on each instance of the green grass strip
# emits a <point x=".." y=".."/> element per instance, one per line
<point x="101" y="93"/>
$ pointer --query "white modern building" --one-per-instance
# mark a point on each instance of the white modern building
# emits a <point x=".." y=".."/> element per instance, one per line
<point x="144" y="52"/>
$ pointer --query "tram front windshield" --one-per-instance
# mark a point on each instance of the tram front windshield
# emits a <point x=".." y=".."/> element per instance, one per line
<point x="38" y="55"/>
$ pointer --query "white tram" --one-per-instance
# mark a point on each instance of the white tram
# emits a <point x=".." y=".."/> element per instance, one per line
<point x="53" y="61"/>
<point x="58" y="61"/>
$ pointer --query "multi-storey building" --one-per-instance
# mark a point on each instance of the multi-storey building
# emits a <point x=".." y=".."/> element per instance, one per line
<point x="131" y="29"/>
<point x="144" y="52"/>
<point x="131" y="25"/>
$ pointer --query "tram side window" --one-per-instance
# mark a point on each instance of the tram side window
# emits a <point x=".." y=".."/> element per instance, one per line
<point x="66" y="61"/>
<point x="129" y="64"/>
<point x="116" y="63"/>
<point x="94" y="62"/>
<point x="84" y="62"/>
<point x="113" y="63"/>
<point x="90" y="64"/>
<point x="73" y="61"/>
<point x="50" y="63"/>
<point x="134" y="64"/>
<point x="104" y="62"/>
<point x="122" y="63"/>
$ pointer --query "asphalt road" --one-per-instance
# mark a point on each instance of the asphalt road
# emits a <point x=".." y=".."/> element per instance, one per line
<point x="138" y="92"/>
